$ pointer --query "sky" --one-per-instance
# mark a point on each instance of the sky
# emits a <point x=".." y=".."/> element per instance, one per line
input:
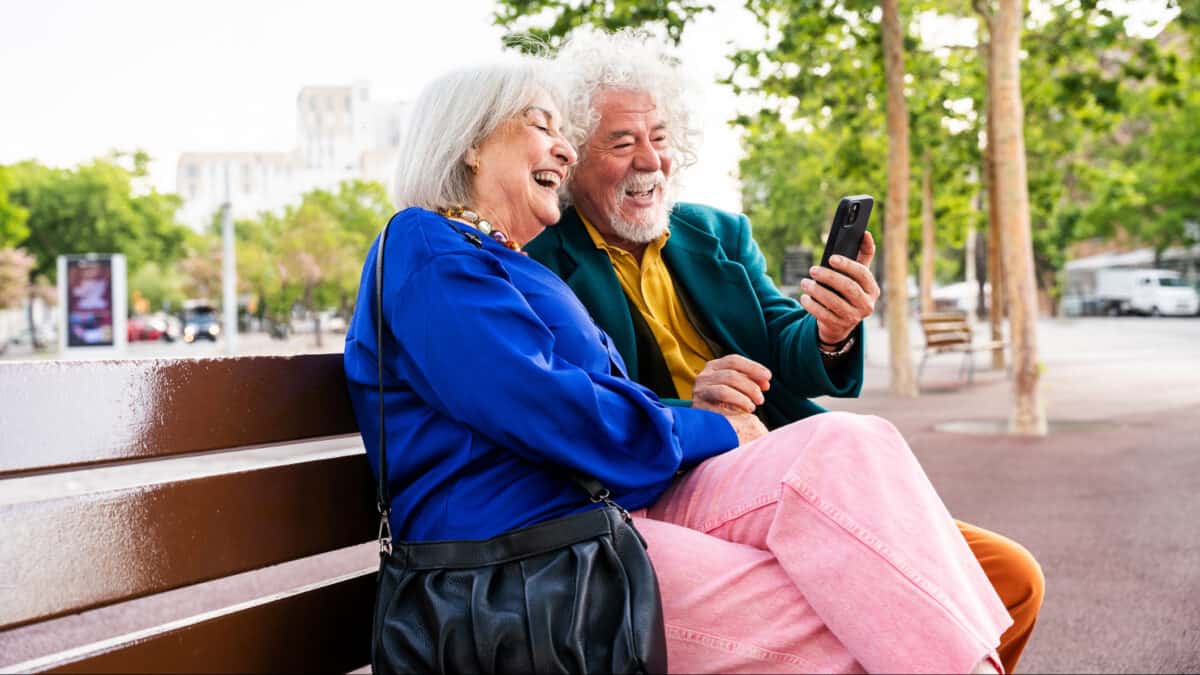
<point x="81" y="77"/>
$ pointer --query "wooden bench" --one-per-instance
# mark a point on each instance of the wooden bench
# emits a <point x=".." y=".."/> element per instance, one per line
<point x="211" y="515"/>
<point x="950" y="332"/>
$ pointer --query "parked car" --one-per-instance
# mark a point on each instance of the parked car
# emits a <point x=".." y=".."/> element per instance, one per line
<point x="158" y="326"/>
<point x="200" y="323"/>
<point x="142" y="328"/>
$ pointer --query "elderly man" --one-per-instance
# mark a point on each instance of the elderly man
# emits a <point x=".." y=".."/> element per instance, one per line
<point x="683" y="290"/>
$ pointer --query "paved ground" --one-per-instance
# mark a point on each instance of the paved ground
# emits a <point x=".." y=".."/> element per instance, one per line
<point x="1109" y="504"/>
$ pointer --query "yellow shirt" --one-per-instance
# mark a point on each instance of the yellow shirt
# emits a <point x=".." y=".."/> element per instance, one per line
<point x="650" y="287"/>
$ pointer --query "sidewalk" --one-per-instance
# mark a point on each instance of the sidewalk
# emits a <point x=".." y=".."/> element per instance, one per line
<point x="1109" y="504"/>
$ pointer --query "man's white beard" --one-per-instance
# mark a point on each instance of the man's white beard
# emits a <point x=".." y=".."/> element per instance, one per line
<point x="654" y="224"/>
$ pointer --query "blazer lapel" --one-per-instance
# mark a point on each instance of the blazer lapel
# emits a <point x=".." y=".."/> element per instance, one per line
<point x="719" y="289"/>
<point x="595" y="283"/>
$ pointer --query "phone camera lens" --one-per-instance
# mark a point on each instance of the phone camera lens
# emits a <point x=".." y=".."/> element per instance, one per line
<point x="853" y="213"/>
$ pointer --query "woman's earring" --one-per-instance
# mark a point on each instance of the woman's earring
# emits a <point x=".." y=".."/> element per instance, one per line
<point x="475" y="166"/>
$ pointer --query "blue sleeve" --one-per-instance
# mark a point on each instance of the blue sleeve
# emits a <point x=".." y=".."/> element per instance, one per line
<point x="796" y="357"/>
<point x="472" y="347"/>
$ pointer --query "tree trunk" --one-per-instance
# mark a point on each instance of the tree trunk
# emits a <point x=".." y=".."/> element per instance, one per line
<point x="34" y="343"/>
<point x="1012" y="190"/>
<point x="928" y="243"/>
<point x="969" y="254"/>
<point x="895" y="227"/>
<point x="995" y="261"/>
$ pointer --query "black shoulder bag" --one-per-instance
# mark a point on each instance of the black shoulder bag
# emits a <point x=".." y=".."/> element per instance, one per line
<point x="573" y="595"/>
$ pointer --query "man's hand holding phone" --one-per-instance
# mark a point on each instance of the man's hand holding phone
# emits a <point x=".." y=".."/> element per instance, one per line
<point x="837" y="314"/>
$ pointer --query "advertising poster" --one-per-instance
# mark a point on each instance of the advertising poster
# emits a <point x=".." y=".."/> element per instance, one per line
<point x="90" y="303"/>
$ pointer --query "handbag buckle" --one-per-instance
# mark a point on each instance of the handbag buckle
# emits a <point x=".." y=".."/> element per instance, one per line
<point x="385" y="534"/>
<point x="603" y="498"/>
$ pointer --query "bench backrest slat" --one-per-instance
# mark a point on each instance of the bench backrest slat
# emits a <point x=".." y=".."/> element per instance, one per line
<point x="68" y="413"/>
<point x="320" y="630"/>
<point x="77" y="552"/>
<point x="943" y="329"/>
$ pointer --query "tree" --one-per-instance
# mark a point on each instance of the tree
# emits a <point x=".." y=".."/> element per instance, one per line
<point x="13" y="217"/>
<point x="528" y="17"/>
<point x="895" y="228"/>
<point x="1150" y="179"/>
<point x="200" y="267"/>
<point x="1011" y="189"/>
<point x="161" y="285"/>
<point x="15" y="265"/>
<point x="93" y="208"/>
<point x="311" y="254"/>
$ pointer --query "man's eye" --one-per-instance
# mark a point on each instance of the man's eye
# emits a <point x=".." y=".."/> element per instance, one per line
<point x="622" y="146"/>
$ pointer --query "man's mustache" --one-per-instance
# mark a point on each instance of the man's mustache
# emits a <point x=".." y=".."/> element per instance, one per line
<point x="642" y="182"/>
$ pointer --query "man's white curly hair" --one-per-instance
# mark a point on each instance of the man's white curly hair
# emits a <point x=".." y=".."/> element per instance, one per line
<point x="593" y="60"/>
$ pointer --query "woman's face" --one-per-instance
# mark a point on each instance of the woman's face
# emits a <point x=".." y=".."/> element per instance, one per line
<point x="519" y="170"/>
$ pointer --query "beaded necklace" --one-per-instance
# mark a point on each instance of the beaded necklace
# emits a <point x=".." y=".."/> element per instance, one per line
<point x="476" y="221"/>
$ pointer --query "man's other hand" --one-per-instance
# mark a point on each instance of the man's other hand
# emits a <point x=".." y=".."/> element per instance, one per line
<point x="852" y="279"/>
<point x="731" y="384"/>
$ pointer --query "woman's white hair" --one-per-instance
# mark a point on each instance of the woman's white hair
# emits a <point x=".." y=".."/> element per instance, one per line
<point x="455" y="113"/>
<point x="592" y="61"/>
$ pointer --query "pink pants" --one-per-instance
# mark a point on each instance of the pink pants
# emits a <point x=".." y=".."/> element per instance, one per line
<point x="821" y="547"/>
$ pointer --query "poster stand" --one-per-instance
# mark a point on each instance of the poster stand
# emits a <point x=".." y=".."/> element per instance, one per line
<point x="92" y="306"/>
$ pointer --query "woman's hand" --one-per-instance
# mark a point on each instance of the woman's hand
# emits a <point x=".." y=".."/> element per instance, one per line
<point x="747" y="427"/>
<point x="731" y="384"/>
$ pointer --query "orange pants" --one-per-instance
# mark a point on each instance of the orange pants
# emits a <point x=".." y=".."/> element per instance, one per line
<point x="1018" y="580"/>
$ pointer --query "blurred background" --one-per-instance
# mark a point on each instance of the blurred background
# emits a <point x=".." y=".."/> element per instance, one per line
<point x="130" y="127"/>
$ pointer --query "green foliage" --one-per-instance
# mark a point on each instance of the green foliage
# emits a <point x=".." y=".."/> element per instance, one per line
<point x="1149" y="185"/>
<point x="547" y="22"/>
<point x="95" y="207"/>
<point x="1109" y="117"/>
<point x="310" y="255"/>
<point x="1082" y="85"/>
<point x="161" y="285"/>
<point x="12" y="216"/>
<point x="822" y="74"/>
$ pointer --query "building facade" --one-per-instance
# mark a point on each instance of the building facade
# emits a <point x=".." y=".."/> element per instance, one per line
<point x="341" y="134"/>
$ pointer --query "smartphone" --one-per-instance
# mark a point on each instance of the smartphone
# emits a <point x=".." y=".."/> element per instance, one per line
<point x="849" y="227"/>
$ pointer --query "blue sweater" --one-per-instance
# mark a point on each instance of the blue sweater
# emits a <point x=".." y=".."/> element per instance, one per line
<point x="495" y="378"/>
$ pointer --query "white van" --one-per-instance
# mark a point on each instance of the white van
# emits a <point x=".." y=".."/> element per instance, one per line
<point x="1153" y="292"/>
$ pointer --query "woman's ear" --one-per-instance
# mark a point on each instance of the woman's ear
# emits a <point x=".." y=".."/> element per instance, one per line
<point x="471" y="159"/>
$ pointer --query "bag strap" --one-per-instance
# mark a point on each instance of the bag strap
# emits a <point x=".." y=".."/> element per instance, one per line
<point x="595" y="489"/>
<point x="383" y="503"/>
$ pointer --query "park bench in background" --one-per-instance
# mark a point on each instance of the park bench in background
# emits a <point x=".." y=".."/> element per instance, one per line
<point x="137" y="499"/>
<point x="950" y="332"/>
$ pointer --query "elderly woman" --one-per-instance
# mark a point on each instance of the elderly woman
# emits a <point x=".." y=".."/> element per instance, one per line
<point x="496" y="382"/>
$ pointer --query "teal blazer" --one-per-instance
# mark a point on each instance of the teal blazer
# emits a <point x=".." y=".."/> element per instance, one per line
<point x="713" y="258"/>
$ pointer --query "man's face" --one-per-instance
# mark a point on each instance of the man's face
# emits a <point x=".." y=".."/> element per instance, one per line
<point x="621" y="184"/>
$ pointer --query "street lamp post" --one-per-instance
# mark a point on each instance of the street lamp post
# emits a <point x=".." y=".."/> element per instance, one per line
<point x="228" y="272"/>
